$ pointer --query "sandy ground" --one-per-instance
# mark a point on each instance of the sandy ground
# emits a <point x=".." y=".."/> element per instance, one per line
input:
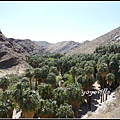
<point x="18" y="69"/>
<point x="101" y="108"/>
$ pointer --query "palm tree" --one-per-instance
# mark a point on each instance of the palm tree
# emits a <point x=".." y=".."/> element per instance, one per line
<point x="73" y="71"/>
<point x="89" y="70"/>
<point x="45" y="91"/>
<point x="4" y="83"/>
<point x="75" y="97"/>
<point x="47" y="108"/>
<point x="51" y="79"/>
<point x="60" y="96"/>
<point x="103" y="69"/>
<point x="110" y="78"/>
<point x="44" y="72"/>
<point x="86" y="84"/>
<point x="65" y="111"/>
<point x="30" y="103"/>
<point x="37" y="74"/>
<point x="53" y="70"/>
<point x="19" y="89"/>
<point x="29" y="73"/>
<point x="59" y="64"/>
<point x="9" y="101"/>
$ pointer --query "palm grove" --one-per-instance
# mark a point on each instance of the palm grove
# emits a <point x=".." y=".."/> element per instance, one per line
<point x="53" y="84"/>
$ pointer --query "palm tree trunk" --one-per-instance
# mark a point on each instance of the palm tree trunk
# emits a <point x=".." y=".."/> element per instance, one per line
<point x="36" y="84"/>
<point x="103" y="89"/>
<point x="89" y="98"/>
<point x="101" y="82"/>
<point x="29" y="114"/>
<point x="44" y="116"/>
<point x="53" y="85"/>
<point x="4" y="87"/>
<point x="10" y="113"/>
<point x="30" y="83"/>
<point x="73" y="76"/>
<point x="75" y="107"/>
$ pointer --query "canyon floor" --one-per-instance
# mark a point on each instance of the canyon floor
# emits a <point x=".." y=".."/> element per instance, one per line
<point x="110" y="108"/>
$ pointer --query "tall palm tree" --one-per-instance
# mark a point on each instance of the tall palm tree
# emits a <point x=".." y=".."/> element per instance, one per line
<point x="37" y="74"/>
<point x="51" y="79"/>
<point x="103" y="69"/>
<point x="29" y="73"/>
<point x="89" y="71"/>
<point x="44" y="72"/>
<point x="19" y="89"/>
<point x="75" y="97"/>
<point x="110" y="78"/>
<point x="73" y="71"/>
<point x="30" y="103"/>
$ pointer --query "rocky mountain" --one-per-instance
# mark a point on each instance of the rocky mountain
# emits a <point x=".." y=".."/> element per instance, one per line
<point x="13" y="51"/>
<point x="61" y="47"/>
<point x="109" y="38"/>
<point x="42" y="43"/>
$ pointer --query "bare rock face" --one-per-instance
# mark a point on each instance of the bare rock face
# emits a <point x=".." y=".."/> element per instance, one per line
<point x="13" y="51"/>
<point x="112" y="37"/>
<point x="62" y="47"/>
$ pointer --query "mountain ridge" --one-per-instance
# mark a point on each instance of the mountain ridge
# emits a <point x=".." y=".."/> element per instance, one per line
<point x="12" y="51"/>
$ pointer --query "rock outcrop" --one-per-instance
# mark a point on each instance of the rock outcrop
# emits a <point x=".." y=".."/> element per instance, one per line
<point x="13" y="51"/>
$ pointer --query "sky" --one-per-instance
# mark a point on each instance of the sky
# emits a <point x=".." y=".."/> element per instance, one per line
<point x="58" y="21"/>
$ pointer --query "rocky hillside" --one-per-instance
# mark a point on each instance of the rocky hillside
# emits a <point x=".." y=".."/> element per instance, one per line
<point x="12" y="51"/>
<point x="42" y="43"/>
<point x="62" y="47"/>
<point x="109" y="38"/>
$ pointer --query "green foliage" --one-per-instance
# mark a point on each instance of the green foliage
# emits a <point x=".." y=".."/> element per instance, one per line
<point x="65" y="111"/>
<point x="53" y="70"/>
<point x="19" y="89"/>
<point x="51" y="78"/>
<point x="45" y="91"/>
<point x="68" y="79"/>
<point x="30" y="101"/>
<point x="102" y="69"/>
<point x="29" y="72"/>
<point x="60" y="96"/>
<point x="110" y="77"/>
<point x="84" y="81"/>
<point x="74" y="93"/>
<point x="4" y="108"/>
<point x="114" y="48"/>
<point x="89" y="70"/>
<point x="73" y="70"/>
<point x="47" y="107"/>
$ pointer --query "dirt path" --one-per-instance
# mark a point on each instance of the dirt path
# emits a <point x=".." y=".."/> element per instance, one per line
<point x="96" y="105"/>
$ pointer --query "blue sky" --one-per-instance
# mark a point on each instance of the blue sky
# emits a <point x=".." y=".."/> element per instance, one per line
<point x="58" y="21"/>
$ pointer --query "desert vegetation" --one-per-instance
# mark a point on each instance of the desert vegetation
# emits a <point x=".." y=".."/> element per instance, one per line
<point x="53" y="84"/>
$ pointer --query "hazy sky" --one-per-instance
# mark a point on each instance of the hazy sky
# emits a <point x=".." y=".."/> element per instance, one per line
<point x="58" y="21"/>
